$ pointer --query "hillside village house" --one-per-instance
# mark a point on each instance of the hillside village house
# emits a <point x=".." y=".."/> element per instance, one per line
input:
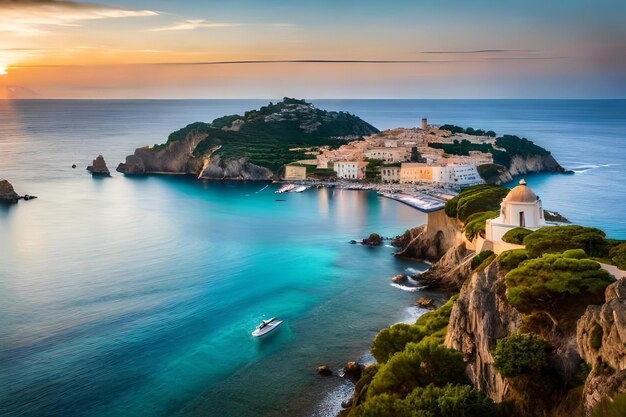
<point x="459" y="175"/>
<point x="389" y="155"/>
<point x="390" y="174"/>
<point x="520" y="208"/>
<point x="354" y="170"/>
<point x="415" y="172"/>
<point x="295" y="172"/>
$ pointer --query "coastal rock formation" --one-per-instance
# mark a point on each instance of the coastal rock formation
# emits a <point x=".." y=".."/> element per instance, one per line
<point x="481" y="315"/>
<point x="450" y="271"/>
<point x="249" y="147"/>
<point x="432" y="240"/>
<point x="373" y="239"/>
<point x="521" y="165"/>
<point x="324" y="370"/>
<point x="601" y="340"/>
<point x="239" y="169"/>
<point x="353" y="371"/>
<point x="7" y="193"/>
<point x="99" y="167"/>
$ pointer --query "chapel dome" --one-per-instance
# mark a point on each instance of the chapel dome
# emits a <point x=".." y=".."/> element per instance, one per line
<point x="521" y="194"/>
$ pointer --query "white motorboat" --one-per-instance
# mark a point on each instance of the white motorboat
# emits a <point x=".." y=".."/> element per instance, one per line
<point x="285" y="188"/>
<point x="266" y="326"/>
<point x="299" y="189"/>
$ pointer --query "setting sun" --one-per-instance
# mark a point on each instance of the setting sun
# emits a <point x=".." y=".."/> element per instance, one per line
<point x="3" y="70"/>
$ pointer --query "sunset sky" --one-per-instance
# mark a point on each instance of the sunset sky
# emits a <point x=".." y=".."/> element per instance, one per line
<point x="313" y="49"/>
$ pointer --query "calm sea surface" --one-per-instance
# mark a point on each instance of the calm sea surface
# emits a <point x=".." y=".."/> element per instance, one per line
<point x="136" y="296"/>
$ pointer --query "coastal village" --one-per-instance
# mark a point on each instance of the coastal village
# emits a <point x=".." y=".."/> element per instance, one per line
<point x="399" y="156"/>
<point x="398" y="163"/>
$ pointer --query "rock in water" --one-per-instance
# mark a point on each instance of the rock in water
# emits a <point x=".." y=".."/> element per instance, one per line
<point x="353" y="371"/>
<point x="7" y="193"/>
<point x="324" y="370"/>
<point x="425" y="302"/>
<point x="398" y="278"/>
<point x="99" y="167"/>
<point x="373" y="240"/>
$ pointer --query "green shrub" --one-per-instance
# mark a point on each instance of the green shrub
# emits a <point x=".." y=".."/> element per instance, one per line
<point x="561" y="238"/>
<point x="538" y="283"/>
<point x="430" y="401"/>
<point x="490" y="172"/>
<point x="520" y="353"/>
<point x="418" y="365"/>
<point x="617" y="255"/>
<point x="394" y="339"/>
<point x="475" y="199"/>
<point x="383" y="405"/>
<point x="575" y="254"/>
<point x="450" y="401"/>
<point x="516" y="235"/>
<point x="476" y="223"/>
<point x="478" y="259"/>
<point x="511" y="259"/>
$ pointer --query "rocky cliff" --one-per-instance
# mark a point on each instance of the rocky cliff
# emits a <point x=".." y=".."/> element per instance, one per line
<point x="521" y="165"/>
<point x="253" y="146"/>
<point x="482" y="314"/>
<point x="99" y="167"/>
<point x="7" y="193"/>
<point x="479" y="317"/>
<point x="601" y="340"/>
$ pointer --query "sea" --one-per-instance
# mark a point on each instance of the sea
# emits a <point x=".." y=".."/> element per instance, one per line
<point x="136" y="296"/>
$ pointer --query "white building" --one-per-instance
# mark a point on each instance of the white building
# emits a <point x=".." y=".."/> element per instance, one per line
<point x="466" y="175"/>
<point x="353" y="170"/>
<point x="389" y="155"/>
<point x="390" y="174"/>
<point x="520" y="208"/>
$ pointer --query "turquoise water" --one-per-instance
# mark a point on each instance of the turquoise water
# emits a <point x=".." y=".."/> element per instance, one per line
<point x="124" y="296"/>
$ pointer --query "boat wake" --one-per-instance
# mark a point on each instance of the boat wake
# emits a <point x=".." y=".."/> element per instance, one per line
<point x="262" y="189"/>
<point x="408" y="288"/>
<point x="588" y="167"/>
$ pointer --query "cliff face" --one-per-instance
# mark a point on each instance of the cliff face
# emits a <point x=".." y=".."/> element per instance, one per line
<point x="482" y="315"/>
<point x="479" y="317"/>
<point x="177" y="157"/>
<point x="521" y="165"/>
<point x="432" y="240"/>
<point x="240" y="169"/>
<point x="601" y="340"/>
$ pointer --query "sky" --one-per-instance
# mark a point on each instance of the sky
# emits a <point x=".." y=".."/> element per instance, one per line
<point x="313" y="49"/>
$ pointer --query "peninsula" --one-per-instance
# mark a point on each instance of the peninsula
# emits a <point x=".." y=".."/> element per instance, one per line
<point x="293" y="140"/>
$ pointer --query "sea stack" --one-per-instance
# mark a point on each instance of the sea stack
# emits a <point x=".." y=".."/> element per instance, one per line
<point x="99" y="167"/>
<point x="7" y="193"/>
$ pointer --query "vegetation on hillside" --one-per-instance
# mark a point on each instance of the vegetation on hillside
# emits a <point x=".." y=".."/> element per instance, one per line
<point x="516" y="235"/>
<point x="479" y="259"/>
<point x="468" y="130"/>
<point x="416" y="375"/>
<point x="476" y="223"/>
<point x="475" y="199"/>
<point x="542" y="283"/>
<point x="559" y="239"/>
<point x="265" y="136"/>
<point x="520" y="353"/>
<point x="506" y="147"/>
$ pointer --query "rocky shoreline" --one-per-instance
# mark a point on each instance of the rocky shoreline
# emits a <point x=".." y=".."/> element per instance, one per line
<point x="590" y="333"/>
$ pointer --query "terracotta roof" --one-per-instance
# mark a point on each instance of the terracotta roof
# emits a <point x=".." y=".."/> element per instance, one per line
<point x="521" y="194"/>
